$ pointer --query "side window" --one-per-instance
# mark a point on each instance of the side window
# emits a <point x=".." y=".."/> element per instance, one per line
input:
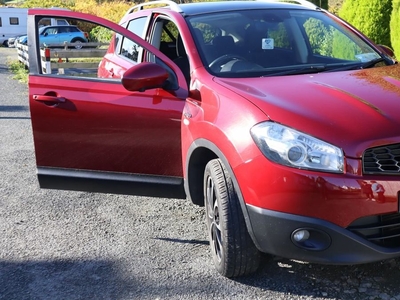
<point x="14" y="21"/>
<point x="79" y="60"/>
<point x="62" y="22"/>
<point x="1" y="24"/>
<point x="107" y="57"/>
<point x="168" y="39"/>
<point x="130" y="49"/>
<point x="50" y="31"/>
<point x="164" y="36"/>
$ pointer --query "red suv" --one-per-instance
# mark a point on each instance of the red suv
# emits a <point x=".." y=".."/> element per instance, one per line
<point x="279" y="118"/>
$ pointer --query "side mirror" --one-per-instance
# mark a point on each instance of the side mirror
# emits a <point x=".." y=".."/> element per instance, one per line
<point x="144" y="76"/>
<point x="387" y="50"/>
<point x="45" y="34"/>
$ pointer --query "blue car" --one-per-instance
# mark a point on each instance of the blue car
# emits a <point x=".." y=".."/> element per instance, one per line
<point x="50" y="35"/>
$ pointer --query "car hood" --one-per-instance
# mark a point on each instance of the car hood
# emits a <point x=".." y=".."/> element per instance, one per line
<point x="353" y="110"/>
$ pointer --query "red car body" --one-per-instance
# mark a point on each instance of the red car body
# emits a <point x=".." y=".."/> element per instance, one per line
<point x="94" y="134"/>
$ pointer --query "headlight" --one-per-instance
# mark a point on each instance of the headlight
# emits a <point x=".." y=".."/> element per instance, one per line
<point x="292" y="148"/>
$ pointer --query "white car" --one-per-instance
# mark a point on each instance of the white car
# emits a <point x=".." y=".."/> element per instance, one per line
<point x="12" y="42"/>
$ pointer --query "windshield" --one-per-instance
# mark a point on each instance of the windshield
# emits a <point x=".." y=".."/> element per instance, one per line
<point x="41" y="29"/>
<point x="277" y="42"/>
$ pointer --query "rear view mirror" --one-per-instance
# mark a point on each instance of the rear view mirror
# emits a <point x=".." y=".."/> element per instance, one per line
<point x="387" y="50"/>
<point x="144" y="76"/>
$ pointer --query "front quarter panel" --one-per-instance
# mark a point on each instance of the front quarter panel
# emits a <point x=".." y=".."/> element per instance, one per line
<point x="220" y="122"/>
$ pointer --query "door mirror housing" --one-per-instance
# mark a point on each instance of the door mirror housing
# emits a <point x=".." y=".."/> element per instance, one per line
<point x="387" y="50"/>
<point x="144" y="76"/>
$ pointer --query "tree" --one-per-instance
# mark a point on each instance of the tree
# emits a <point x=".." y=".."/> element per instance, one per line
<point x="394" y="27"/>
<point x="371" y="17"/>
<point x="321" y="3"/>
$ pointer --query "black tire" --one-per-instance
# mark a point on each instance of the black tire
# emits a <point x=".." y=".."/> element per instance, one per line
<point x="78" y="42"/>
<point x="232" y="248"/>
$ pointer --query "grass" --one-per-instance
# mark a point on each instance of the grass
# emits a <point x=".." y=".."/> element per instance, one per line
<point x="77" y="60"/>
<point x="19" y="71"/>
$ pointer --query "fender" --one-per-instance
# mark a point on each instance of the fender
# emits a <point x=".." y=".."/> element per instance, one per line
<point x="197" y="189"/>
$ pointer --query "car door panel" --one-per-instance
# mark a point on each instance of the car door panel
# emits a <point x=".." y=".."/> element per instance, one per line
<point x="92" y="134"/>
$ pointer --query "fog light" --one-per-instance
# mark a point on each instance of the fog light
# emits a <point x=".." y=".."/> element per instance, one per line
<point x="311" y="239"/>
<point x="301" y="235"/>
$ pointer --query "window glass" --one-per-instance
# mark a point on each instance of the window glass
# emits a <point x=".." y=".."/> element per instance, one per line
<point x="14" y="21"/>
<point x="208" y="32"/>
<point x="63" y="29"/>
<point x="167" y="41"/>
<point x="329" y="40"/>
<point x="79" y="60"/>
<point x="50" y="31"/>
<point x="279" y="34"/>
<point x="1" y="24"/>
<point x="274" y="41"/>
<point x="170" y="32"/>
<point x="61" y="22"/>
<point x="164" y="36"/>
<point x="130" y="49"/>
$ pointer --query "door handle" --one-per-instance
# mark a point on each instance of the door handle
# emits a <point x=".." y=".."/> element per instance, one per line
<point x="49" y="99"/>
<point x="111" y="72"/>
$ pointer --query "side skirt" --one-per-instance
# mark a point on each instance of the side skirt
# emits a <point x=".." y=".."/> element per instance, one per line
<point x="110" y="182"/>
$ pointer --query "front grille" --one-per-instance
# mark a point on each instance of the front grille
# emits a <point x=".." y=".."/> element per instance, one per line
<point x="382" y="160"/>
<point x="383" y="230"/>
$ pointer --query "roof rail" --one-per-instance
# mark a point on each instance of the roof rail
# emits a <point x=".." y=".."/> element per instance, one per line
<point x="304" y="3"/>
<point x="171" y="4"/>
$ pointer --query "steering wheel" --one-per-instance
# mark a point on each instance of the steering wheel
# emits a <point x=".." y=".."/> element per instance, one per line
<point x="224" y="59"/>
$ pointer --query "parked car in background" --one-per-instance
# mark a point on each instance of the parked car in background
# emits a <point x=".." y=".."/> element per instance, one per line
<point x="13" y="22"/>
<point x="13" y="41"/>
<point x="275" y="116"/>
<point x="54" y="36"/>
<point x="22" y="40"/>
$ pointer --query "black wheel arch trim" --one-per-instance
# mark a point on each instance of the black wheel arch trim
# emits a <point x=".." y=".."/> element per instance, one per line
<point x="214" y="148"/>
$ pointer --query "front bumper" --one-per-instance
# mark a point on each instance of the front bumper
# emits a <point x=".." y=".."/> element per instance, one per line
<point x="328" y="243"/>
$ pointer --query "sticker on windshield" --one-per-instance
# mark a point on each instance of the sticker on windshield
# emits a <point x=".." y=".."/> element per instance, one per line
<point x="366" y="57"/>
<point x="267" y="44"/>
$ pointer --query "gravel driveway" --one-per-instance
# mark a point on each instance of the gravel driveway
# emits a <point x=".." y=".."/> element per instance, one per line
<point x="74" y="245"/>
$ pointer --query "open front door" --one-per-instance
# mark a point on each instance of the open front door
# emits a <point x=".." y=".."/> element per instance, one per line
<point x="90" y="132"/>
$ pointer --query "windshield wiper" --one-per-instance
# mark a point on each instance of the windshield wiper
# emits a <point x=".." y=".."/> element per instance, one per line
<point x="371" y="63"/>
<point x="304" y="70"/>
<point x="358" y="66"/>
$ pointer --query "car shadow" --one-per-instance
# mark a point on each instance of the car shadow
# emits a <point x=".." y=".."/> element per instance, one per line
<point x="308" y="280"/>
<point x="331" y="281"/>
<point x="183" y="241"/>
<point x="14" y="108"/>
<point x="62" y="279"/>
<point x="4" y="70"/>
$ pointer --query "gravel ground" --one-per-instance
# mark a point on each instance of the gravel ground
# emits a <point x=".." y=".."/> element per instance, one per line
<point x="74" y="245"/>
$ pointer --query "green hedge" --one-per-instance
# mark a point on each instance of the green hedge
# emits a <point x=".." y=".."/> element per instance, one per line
<point x="321" y="3"/>
<point x="395" y="28"/>
<point x="371" y="17"/>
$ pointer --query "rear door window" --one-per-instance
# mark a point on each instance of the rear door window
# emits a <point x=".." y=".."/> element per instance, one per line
<point x="129" y="48"/>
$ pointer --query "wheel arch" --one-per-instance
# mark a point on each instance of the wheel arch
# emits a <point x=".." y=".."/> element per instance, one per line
<point x="199" y="154"/>
<point x="77" y="39"/>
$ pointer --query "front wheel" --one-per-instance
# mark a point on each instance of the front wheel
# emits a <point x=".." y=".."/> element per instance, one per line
<point x="232" y="248"/>
<point x="78" y="43"/>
